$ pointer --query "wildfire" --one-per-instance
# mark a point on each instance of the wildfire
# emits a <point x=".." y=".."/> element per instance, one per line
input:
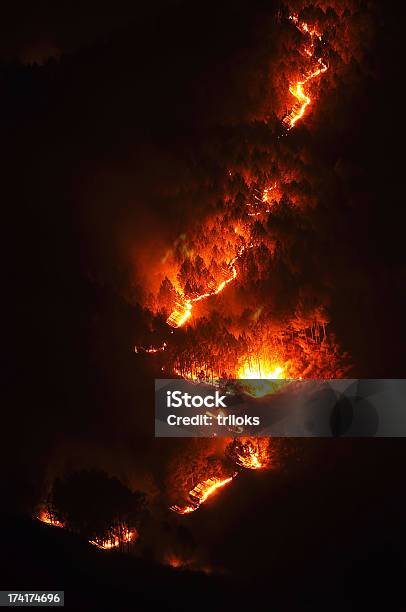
<point x="200" y="493"/>
<point x="205" y="489"/>
<point x="183" y="312"/>
<point x="260" y="372"/>
<point x="265" y="194"/>
<point x="114" y="541"/>
<point x="174" y="561"/>
<point x="151" y="349"/>
<point x="297" y="89"/>
<point x="251" y="462"/>
<point x="260" y="377"/>
<point x="268" y="358"/>
<point x="183" y="509"/>
<point x="118" y="535"/>
<point x="265" y="198"/>
<point x="48" y="518"/>
<point x="245" y="453"/>
<point x="180" y="315"/>
<point x="249" y="454"/>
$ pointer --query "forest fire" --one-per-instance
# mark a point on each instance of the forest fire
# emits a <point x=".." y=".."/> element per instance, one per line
<point x="259" y="377"/>
<point x="201" y="492"/>
<point x="296" y="89"/>
<point x="245" y="453"/>
<point x="203" y="281"/>
<point x="47" y="517"/>
<point x="233" y="245"/>
<point x="183" y="312"/>
<point x="248" y="455"/>
<point x="151" y="349"/>
<point x="205" y="489"/>
<point x="252" y="462"/>
<point x="117" y="537"/>
<point x="204" y="269"/>
<point x="303" y="100"/>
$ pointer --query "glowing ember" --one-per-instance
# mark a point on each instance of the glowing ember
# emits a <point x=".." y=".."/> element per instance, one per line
<point x="114" y="541"/>
<point x="151" y="349"/>
<point x="251" y="461"/>
<point x="266" y="198"/>
<point x="250" y="453"/>
<point x="46" y="517"/>
<point x="107" y="544"/>
<point x="174" y="561"/>
<point x="183" y="509"/>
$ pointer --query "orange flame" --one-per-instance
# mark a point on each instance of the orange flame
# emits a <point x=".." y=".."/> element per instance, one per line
<point x="261" y="378"/>
<point x="121" y="536"/>
<point x="250" y="461"/>
<point x="296" y="89"/>
<point x="183" y="312"/>
<point x="200" y="493"/>
<point x="114" y="542"/>
<point x="46" y="517"/>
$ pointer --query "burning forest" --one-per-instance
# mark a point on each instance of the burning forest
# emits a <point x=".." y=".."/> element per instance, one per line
<point x="238" y="246"/>
<point x="207" y="193"/>
<point x="210" y="316"/>
<point x="207" y="314"/>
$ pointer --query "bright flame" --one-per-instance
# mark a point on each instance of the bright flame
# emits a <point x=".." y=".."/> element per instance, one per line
<point x="252" y="461"/>
<point x="124" y="535"/>
<point x="180" y="315"/>
<point x="203" y="490"/>
<point x="151" y="349"/>
<point x="46" y="517"/>
<point x="183" y="509"/>
<point x="250" y="454"/>
<point x="258" y="372"/>
<point x="183" y="312"/>
<point x="127" y="536"/>
<point x="245" y="454"/>
<point x="296" y="89"/>
<point x="264" y="199"/>
<point x="200" y="493"/>
<point x="260" y="378"/>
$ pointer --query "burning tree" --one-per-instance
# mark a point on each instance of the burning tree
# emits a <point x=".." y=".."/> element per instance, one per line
<point x="250" y="453"/>
<point x="98" y="507"/>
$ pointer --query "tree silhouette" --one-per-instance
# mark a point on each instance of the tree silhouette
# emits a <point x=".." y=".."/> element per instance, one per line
<point x="98" y="506"/>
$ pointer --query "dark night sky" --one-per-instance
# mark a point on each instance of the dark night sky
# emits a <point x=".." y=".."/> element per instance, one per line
<point x="121" y="114"/>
